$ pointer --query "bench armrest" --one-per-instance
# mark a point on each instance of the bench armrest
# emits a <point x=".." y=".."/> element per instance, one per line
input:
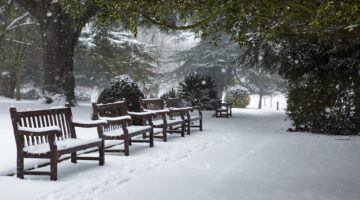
<point x="164" y="111"/>
<point x="196" y="107"/>
<point x="142" y="114"/>
<point x="44" y="131"/>
<point x="116" y="120"/>
<point x="89" y="124"/>
<point x="185" y="109"/>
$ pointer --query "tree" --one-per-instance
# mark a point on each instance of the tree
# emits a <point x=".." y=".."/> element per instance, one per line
<point x="62" y="20"/>
<point x="59" y="32"/>
<point x="257" y="71"/>
<point x="323" y="85"/>
<point x="16" y="35"/>
<point x="210" y="58"/>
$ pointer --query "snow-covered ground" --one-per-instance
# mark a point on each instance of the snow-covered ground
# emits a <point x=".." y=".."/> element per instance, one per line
<point x="249" y="156"/>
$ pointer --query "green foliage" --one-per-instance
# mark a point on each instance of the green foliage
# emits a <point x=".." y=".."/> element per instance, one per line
<point x="197" y="90"/>
<point x="238" y="97"/>
<point x="169" y="94"/>
<point x="240" y="18"/>
<point x="119" y="88"/>
<point x="323" y="87"/>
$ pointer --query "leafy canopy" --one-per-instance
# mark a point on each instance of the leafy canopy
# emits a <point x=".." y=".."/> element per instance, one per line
<point x="272" y="19"/>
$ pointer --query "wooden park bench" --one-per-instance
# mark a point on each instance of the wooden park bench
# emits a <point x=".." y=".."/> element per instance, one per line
<point x="222" y="109"/>
<point x="191" y="116"/>
<point x="49" y="134"/>
<point x="163" y="122"/>
<point x="120" y="125"/>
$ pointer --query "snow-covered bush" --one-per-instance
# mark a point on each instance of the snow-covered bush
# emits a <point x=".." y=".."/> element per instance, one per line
<point x="238" y="96"/>
<point x="119" y="88"/>
<point x="198" y="91"/>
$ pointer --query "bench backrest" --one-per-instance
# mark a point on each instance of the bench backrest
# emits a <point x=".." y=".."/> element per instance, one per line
<point x="61" y="117"/>
<point x="217" y="103"/>
<point x="151" y="104"/>
<point x="116" y="109"/>
<point x="175" y="102"/>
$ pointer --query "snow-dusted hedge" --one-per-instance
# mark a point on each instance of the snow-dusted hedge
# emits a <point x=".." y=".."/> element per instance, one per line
<point x="119" y="88"/>
<point x="238" y="96"/>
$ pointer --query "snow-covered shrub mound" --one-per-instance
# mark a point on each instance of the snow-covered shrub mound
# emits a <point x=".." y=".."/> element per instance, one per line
<point x="238" y="96"/>
<point x="119" y="88"/>
<point x="198" y="91"/>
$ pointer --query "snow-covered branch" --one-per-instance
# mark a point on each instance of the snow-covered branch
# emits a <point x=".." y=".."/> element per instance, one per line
<point x="16" y="21"/>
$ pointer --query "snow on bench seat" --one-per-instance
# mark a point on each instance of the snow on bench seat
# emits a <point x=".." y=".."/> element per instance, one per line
<point x="159" y="122"/>
<point x="158" y="111"/>
<point x="131" y="129"/>
<point x="114" y="119"/>
<point x="93" y="122"/>
<point x="39" y="130"/>
<point x="61" y="145"/>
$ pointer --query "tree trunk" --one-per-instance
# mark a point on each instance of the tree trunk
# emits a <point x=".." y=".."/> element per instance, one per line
<point x="58" y="53"/>
<point x="260" y="99"/>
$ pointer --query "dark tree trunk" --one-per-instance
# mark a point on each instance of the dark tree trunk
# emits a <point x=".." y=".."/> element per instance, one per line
<point x="58" y="53"/>
<point x="261" y="94"/>
<point x="8" y="84"/>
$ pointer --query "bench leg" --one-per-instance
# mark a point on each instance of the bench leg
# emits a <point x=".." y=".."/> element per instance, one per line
<point x="102" y="154"/>
<point x="126" y="145"/>
<point x="201" y="124"/>
<point x="73" y="157"/>
<point x="53" y="166"/>
<point x="20" y="165"/>
<point x="188" y="127"/>
<point x="183" y="129"/>
<point x="151" y="137"/>
<point x="130" y="142"/>
<point x="164" y="134"/>
<point x="144" y="136"/>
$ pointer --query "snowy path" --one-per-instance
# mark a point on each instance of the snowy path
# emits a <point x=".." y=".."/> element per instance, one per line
<point x="249" y="156"/>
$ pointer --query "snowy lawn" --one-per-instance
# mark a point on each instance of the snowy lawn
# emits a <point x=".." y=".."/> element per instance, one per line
<point x="249" y="156"/>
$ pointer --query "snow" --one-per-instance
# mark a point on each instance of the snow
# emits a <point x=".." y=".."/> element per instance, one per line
<point x="61" y="145"/>
<point x="248" y="156"/>
<point x="114" y="119"/>
<point x="90" y="122"/>
<point x="38" y="130"/>
<point x="131" y="129"/>
<point x="141" y="113"/>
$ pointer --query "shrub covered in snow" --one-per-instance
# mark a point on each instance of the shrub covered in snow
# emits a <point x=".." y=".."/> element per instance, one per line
<point x="198" y="90"/>
<point x="119" y="88"/>
<point x="238" y="96"/>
